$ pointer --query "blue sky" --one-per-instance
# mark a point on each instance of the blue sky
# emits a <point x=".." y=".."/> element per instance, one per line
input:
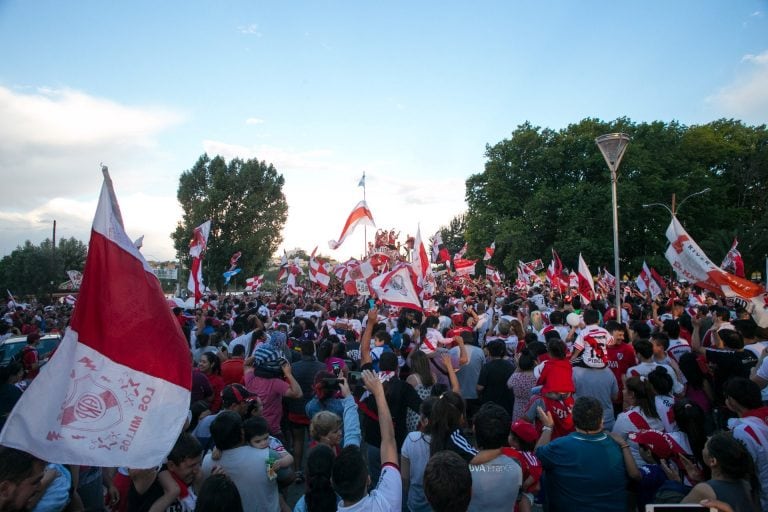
<point x="410" y="92"/>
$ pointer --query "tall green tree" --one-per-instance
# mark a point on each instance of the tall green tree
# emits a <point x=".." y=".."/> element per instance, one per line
<point x="37" y="269"/>
<point x="245" y="203"/>
<point x="543" y="188"/>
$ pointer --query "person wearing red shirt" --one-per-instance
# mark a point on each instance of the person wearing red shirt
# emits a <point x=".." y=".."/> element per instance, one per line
<point x="621" y="357"/>
<point x="232" y="368"/>
<point x="210" y="365"/>
<point x="30" y="358"/>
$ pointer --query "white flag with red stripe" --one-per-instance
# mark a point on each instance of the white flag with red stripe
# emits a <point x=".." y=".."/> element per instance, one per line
<point x="586" y="283"/>
<point x="291" y="285"/>
<point x="690" y="263"/>
<point x="116" y="391"/>
<point x="360" y="215"/>
<point x="397" y="288"/>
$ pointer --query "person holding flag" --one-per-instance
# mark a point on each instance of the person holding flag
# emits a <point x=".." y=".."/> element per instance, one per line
<point x="94" y="402"/>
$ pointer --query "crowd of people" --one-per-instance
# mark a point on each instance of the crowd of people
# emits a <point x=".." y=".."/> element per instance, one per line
<point x="498" y="399"/>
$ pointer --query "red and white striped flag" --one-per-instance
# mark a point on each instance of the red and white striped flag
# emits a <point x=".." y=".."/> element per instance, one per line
<point x="317" y="271"/>
<point x="360" y="215"/>
<point x="101" y="400"/>
<point x="197" y="247"/>
<point x="254" y="283"/>
<point x="586" y="283"/>
<point x="464" y="267"/>
<point x="690" y="263"/>
<point x="489" y="251"/>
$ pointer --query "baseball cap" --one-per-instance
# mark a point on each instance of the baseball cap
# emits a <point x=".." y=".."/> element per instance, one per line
<point x="525" y="431"/>
<point x="661" y="444"/>
<point x="235" y="394"/>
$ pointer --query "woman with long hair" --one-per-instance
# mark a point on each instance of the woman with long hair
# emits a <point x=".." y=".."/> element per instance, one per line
<point x="210" y="365"/>
<point x="733" y="478"/>
<point x="446" y="422"/>
<point x="521" y="382"/>
<point x="423" y="381"/>
<point x="641" y="414"/>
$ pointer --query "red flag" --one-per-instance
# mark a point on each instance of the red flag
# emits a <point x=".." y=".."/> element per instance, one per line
<point x="645" y="281"/>
<point x="197" y="247"/>
<point x="101" y="400"/>
<point x="489" y="251"/>
<point x="360" y="215"/>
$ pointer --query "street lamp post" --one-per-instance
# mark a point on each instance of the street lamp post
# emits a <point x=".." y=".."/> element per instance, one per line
<point x="673" y="211"/>
<point x="613" y="146"/>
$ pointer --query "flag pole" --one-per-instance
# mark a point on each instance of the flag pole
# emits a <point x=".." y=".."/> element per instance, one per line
<point x="365" y="227"/>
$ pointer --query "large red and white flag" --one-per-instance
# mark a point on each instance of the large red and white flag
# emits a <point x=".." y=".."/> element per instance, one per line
<point x="464" y="267"/>
<point x="360" y="215"/>
<point x="317" y="271"/>
<point x="646" y="282"/>
<point x="116" y="392"/>
<point x="254" y="283"/>
<point x="526" y="274"/>
<point x="397" y="288"/>
<point x="690" y="263"/>
<point x="489" y="251"/>
<point x="586" y="283"/>
<point x="425" y="280"/>
<point x="197" y="247"/>
<point x="733" y="261"/>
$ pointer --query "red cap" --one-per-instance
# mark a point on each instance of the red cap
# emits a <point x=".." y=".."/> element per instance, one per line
<point x="661" y="444"/>
<point x="525" y="431"/>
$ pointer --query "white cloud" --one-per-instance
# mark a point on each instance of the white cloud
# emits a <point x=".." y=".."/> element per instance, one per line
<point x="321" y="190"/>
<point x="51" y="144"/>
<point x="759" y="59"/>
<point x="252" y="29"/>
<point x="254" y="120"/>
<point x="746" y="97"/>
<point x="757" y="14"/>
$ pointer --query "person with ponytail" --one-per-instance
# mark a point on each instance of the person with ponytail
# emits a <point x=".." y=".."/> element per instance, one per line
<point x="319" y="495"/>
<point x="447" y="420"/>
<point x="641" y="414"/>
<point x="662" y="385"/>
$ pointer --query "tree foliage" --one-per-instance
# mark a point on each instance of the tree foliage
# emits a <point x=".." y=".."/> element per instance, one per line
<point x="244" y="201"/>
<point x="30" y="269"/>
<point x="543" y="188"/>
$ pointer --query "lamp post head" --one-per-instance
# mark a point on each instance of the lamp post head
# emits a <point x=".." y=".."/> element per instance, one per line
<point x="612" y="146"/>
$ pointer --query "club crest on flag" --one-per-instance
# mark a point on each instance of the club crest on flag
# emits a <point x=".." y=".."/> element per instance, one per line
<point x="90" y="406"/>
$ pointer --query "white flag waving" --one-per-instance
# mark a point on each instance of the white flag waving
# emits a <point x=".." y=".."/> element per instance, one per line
<point x="690" y="263"/>
<point x="116" y="392"/>
<point x="360" y="215"/>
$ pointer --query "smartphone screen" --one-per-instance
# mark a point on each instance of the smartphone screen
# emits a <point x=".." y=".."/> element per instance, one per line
<point x="371" y="303"/>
